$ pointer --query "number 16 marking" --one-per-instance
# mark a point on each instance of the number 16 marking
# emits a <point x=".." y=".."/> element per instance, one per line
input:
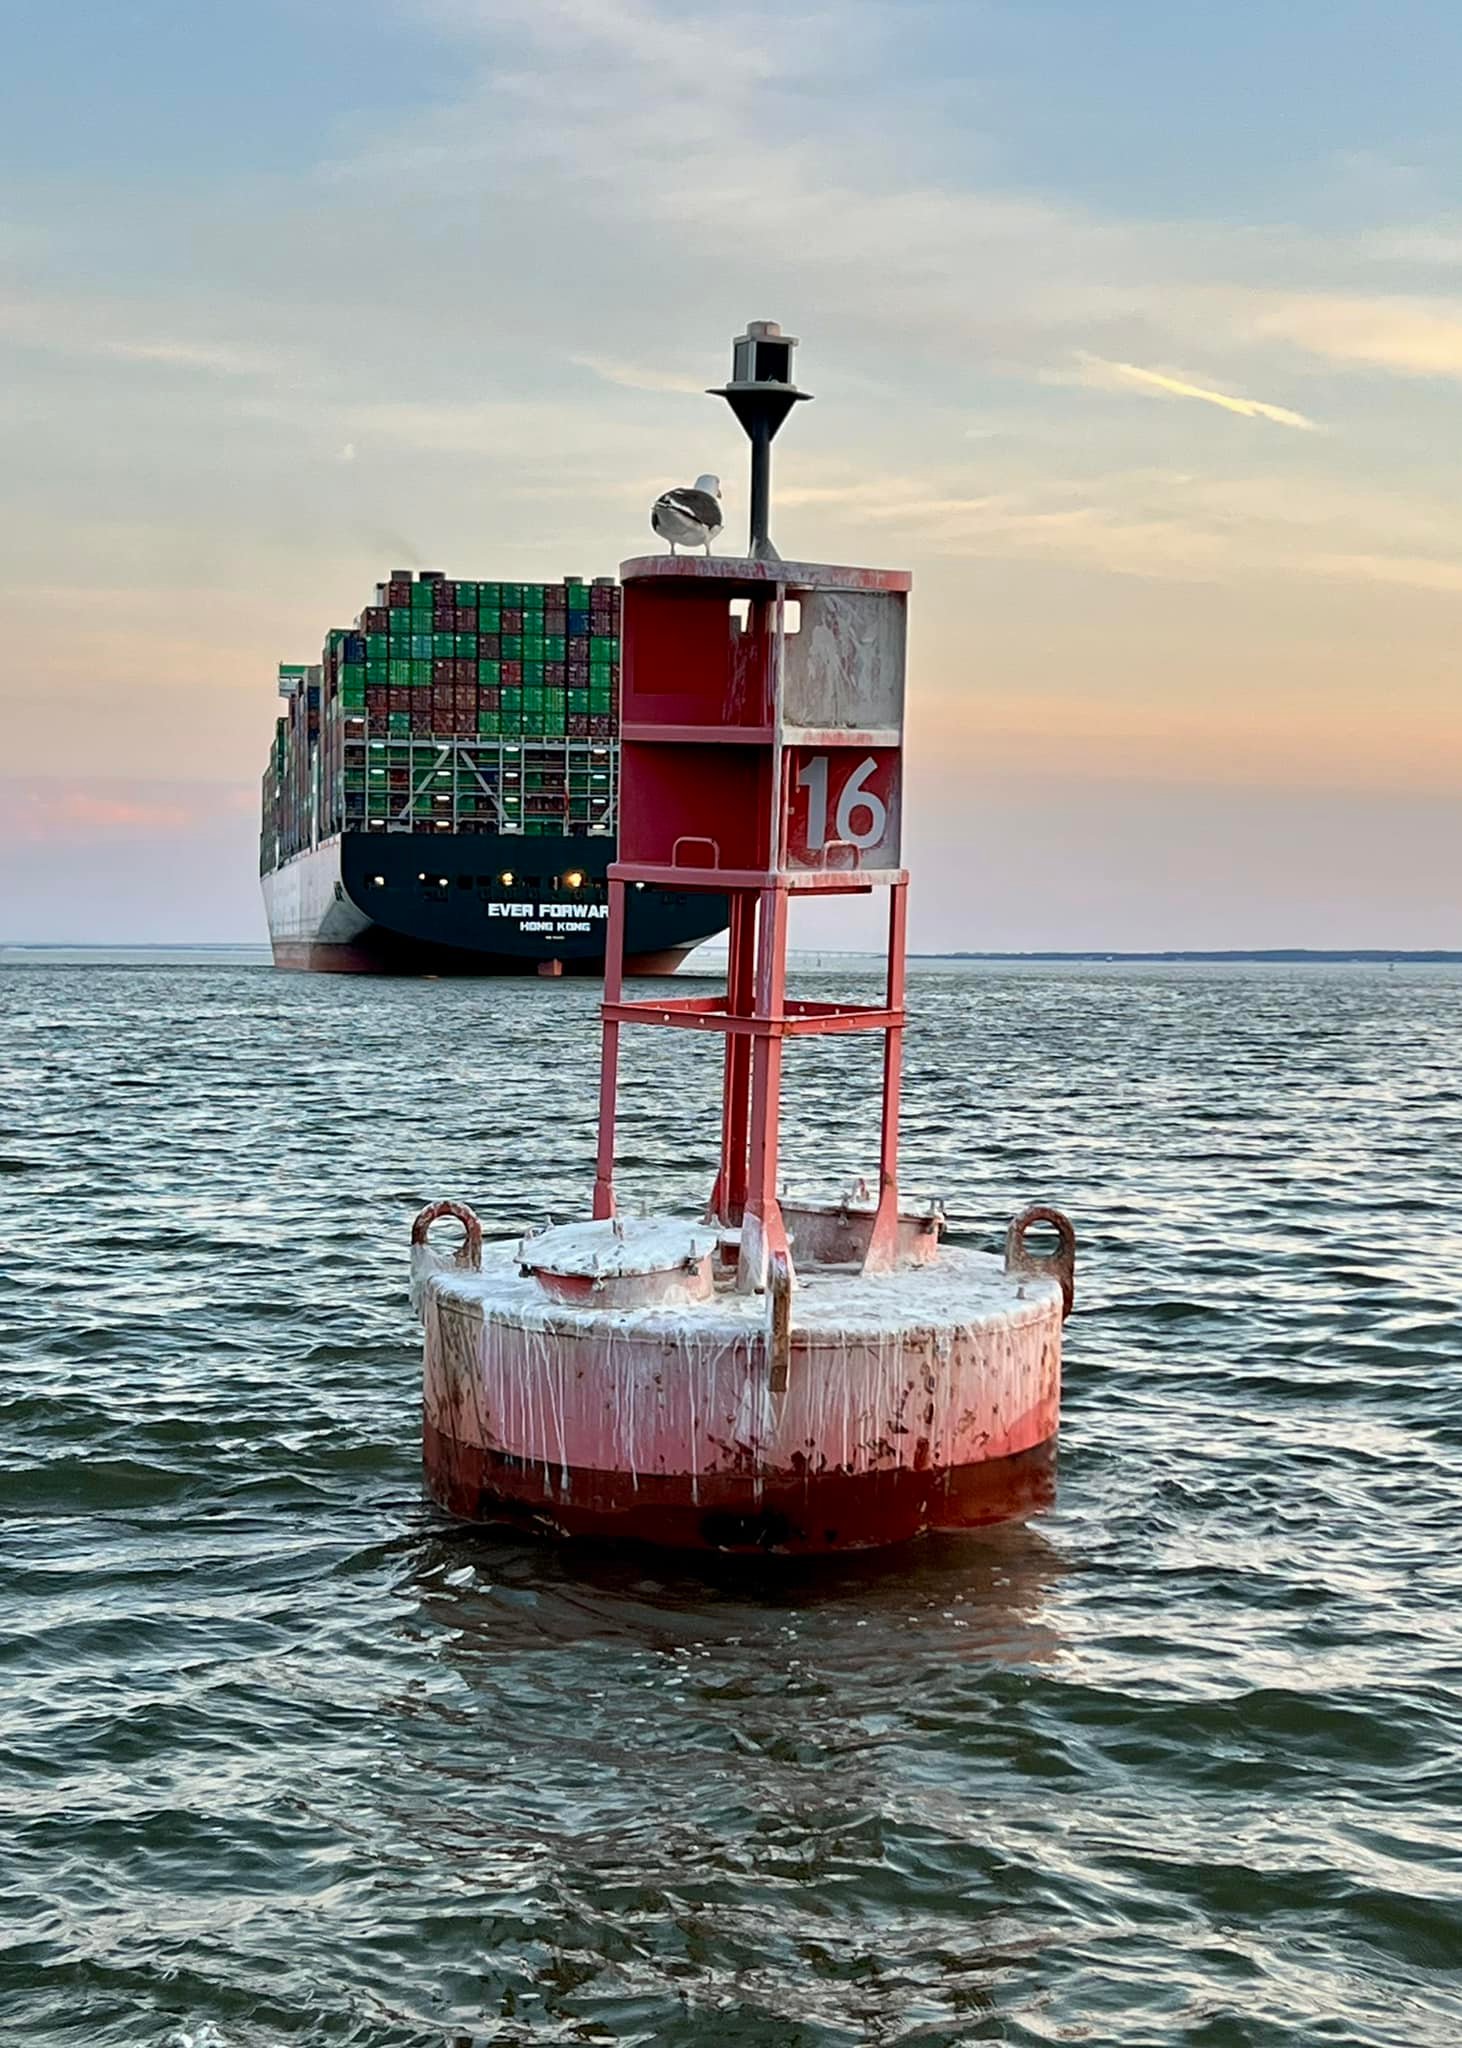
<point x="853" y="799"/>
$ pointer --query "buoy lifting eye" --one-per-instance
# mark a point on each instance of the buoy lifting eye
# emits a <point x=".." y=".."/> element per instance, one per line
<point x="1057" y="1265"/>
<point x="470" y="1252"/>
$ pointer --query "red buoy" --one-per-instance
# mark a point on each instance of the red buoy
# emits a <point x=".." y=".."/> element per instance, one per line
<point x="795" y="1376"/>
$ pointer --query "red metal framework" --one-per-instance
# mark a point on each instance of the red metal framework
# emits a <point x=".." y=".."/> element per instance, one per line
<point x="761" y="733"/>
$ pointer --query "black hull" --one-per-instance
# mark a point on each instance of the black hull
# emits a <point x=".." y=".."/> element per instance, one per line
<point x="470" y="904"/>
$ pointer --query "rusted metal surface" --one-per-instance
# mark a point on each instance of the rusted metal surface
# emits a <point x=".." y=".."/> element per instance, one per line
<point x="469" y="1253"/>
<point x="844" y="1386"/>
<point x="639" y="1265"/>
<point x="791" y="1514"/>
<point x="841" y="1233"/>
<point x="794" y="577"/>
<point x="779" y="1326"/>
<point x="1059" y="1265"/>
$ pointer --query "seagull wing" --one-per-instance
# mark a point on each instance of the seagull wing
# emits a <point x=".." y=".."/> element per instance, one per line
<point x="697" y="505"/>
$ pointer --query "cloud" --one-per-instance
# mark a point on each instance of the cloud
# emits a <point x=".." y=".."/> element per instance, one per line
<point x="1157" y="524"/>
<point x="639" y="377"/>
<point x="1438" y="247"/>
<point x="1414" y="337"/>
<point x="220" y="361"/>
<point x="42" y="812"/>
<point x="88" y="328"/>
<point x="1108" y="376"/>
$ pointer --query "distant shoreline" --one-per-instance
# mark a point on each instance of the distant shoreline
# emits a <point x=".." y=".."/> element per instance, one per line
<point x="1270" y="956"/>
<point x="1279" y="956"/>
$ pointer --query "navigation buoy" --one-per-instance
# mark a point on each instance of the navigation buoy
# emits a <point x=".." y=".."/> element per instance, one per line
<point x="782" y="1375"/>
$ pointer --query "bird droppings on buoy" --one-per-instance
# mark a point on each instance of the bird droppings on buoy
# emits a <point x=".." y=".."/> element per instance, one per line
<point x="782" y="1375"/>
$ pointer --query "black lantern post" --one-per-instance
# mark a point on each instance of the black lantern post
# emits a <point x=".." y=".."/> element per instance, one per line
<point x="761" y="394"/>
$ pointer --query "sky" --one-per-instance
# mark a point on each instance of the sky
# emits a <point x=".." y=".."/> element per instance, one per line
<point x="1135" y="331"/>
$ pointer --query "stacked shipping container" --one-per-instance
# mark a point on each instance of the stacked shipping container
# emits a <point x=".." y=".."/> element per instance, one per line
<point x="453" y="707"/>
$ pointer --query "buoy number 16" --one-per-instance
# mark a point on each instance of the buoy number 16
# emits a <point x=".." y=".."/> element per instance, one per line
<point x="860" y="816"/>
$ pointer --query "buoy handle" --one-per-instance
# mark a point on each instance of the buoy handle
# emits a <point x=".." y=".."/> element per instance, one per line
<point x="470" y="1253"/>
<point x="1057" y="1265"/>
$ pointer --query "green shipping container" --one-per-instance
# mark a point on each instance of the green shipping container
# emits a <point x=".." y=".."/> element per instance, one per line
<point x="377" y="671"/>
<point x="489" y="721"/>
<point x="512" y="647"/>
<point x="489" y="621"/>
<point x="398" y="721"/>
<point x="466" y="596"/>
<point x="444" y="645"/>
<point x="398" y="673"/>
<point x="488" y="674"/>
<point x="420" y="675"/>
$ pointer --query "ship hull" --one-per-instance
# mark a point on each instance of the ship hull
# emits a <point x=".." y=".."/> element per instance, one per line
<point x="469" y="904"/>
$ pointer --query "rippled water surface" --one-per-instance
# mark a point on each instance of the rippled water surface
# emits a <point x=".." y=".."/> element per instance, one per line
<point x="283" y="1758"/>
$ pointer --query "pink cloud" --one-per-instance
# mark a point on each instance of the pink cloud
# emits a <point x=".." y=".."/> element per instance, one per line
<point x="44" y="812"/>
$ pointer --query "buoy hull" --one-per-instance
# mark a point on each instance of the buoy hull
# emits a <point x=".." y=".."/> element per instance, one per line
<point x="787" y="1515"/>
<point x="906" y="1404"/>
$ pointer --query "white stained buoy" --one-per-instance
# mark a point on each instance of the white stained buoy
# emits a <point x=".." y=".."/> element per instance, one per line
<point x="689" y="518"/>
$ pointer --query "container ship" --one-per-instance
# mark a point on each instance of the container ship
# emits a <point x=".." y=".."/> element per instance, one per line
<point x="442" y="790"/>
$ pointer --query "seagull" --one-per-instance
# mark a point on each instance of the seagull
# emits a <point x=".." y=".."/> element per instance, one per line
<point x="692" y="517"/>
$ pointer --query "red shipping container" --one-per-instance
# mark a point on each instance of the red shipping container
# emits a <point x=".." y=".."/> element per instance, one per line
<point x="443" y="670"/>
<point x="489" y="646"/>
<point x="512" y="622"/>
<point x="512" y="675"/>
<point x="553" y="675"/>
<point x="398" y="594"/>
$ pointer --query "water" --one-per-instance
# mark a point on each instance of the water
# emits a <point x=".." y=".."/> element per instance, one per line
<point x="285" y="1759"/>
